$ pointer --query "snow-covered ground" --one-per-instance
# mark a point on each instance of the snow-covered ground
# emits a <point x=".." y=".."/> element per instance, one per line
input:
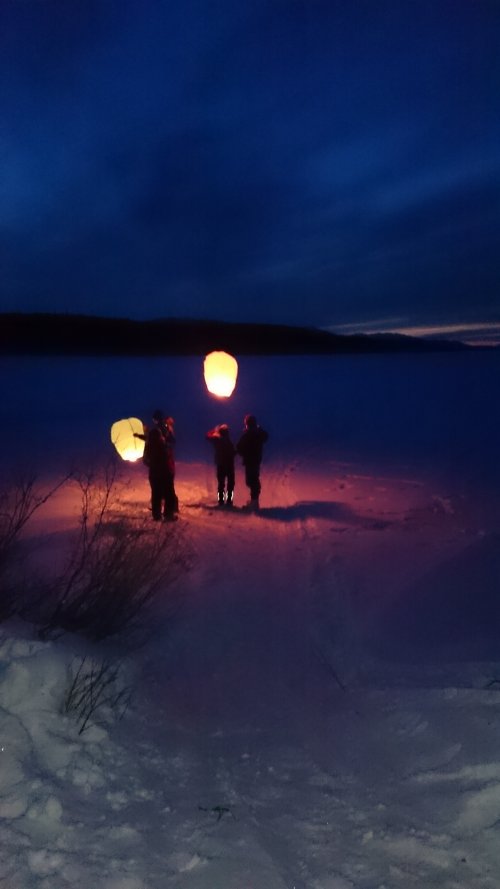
<point x="323" y="711"/>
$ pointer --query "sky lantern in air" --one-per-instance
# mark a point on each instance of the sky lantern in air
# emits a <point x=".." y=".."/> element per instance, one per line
<point x="122" y="436"/>
<point x="220" y="370"/>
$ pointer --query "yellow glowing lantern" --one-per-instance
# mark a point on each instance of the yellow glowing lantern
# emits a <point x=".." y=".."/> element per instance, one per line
<point x="220" y="370"/>
<point x="122" y="436"/>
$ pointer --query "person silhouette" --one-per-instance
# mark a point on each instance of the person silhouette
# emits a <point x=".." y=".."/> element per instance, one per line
<point x="159" y="458"/>
<point x="224" y="453"/>
<point x="249" y="447"/>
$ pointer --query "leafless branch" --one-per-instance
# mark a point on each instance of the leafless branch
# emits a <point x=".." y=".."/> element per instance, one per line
<point x="94" y="692"/>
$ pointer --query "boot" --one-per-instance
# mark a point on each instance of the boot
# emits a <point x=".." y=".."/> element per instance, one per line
<point x="220" y="498"/>
<point x="253" y="504"/>
<point x="229" y="498"/>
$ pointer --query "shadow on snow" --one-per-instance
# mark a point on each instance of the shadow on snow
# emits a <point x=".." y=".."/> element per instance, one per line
<point x="304" y="509"/>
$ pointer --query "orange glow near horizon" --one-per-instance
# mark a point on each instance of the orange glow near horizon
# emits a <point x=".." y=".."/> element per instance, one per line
<point x="478" y="333"/>
<point x="447" y="329"/>
<point x="221" y="371"/>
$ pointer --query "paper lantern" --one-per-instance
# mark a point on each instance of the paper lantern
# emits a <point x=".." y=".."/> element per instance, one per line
<point x="122" y="436"/>
<point x="221" y="371"/>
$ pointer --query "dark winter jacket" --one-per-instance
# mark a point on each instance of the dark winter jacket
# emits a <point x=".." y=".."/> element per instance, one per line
<point x="224" y="451"/>
<point x="158" y="450"/>
<point x="250" y="445"/>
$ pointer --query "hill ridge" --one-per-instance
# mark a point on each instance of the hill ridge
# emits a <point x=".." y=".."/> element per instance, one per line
<point x="43" y="333"/>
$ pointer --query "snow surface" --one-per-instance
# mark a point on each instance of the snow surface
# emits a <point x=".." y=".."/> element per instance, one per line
<point x="324" y="710"/>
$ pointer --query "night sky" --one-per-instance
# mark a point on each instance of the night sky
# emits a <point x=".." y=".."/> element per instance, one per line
<point x="334" y="164"/>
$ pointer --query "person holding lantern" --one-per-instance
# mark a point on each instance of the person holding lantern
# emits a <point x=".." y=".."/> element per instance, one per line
<point x="224" y="453"/>
<point x="249" y="447"/>
<point x="159" y="458"/>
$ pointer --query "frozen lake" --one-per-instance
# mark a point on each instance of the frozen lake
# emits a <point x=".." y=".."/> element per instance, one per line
<point x="437" y="412"/>
<point x="323" y="711"/>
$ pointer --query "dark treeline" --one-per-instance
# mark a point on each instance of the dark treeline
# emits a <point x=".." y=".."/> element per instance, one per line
<point x="53" y="334"/>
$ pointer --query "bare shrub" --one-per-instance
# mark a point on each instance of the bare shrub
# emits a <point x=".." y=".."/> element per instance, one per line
<point x="117" y="565"/>
<point x="18" y="503"/>
<point x="96" y="694"/>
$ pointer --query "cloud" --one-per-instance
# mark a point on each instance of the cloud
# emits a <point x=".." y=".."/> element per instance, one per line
<point x="476" y="333"/>
<point x="317" y="163"/>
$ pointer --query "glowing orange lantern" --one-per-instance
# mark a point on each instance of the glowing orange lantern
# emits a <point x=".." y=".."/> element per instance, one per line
<point x="122" y="436"/>
<point x="221" y="371"/>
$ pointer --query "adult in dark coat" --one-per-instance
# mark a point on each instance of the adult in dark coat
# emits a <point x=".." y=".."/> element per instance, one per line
<point x="159" y="458"/>
<point x="224" y="453"/>
<point x="249" y="447"/>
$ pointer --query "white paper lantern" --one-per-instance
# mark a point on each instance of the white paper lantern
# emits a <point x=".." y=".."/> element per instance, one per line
<point x="220" y="371"/>
<point x="122" y="436"/>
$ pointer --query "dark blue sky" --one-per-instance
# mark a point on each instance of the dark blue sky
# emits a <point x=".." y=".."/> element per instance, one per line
<point x="325" y="163"/>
